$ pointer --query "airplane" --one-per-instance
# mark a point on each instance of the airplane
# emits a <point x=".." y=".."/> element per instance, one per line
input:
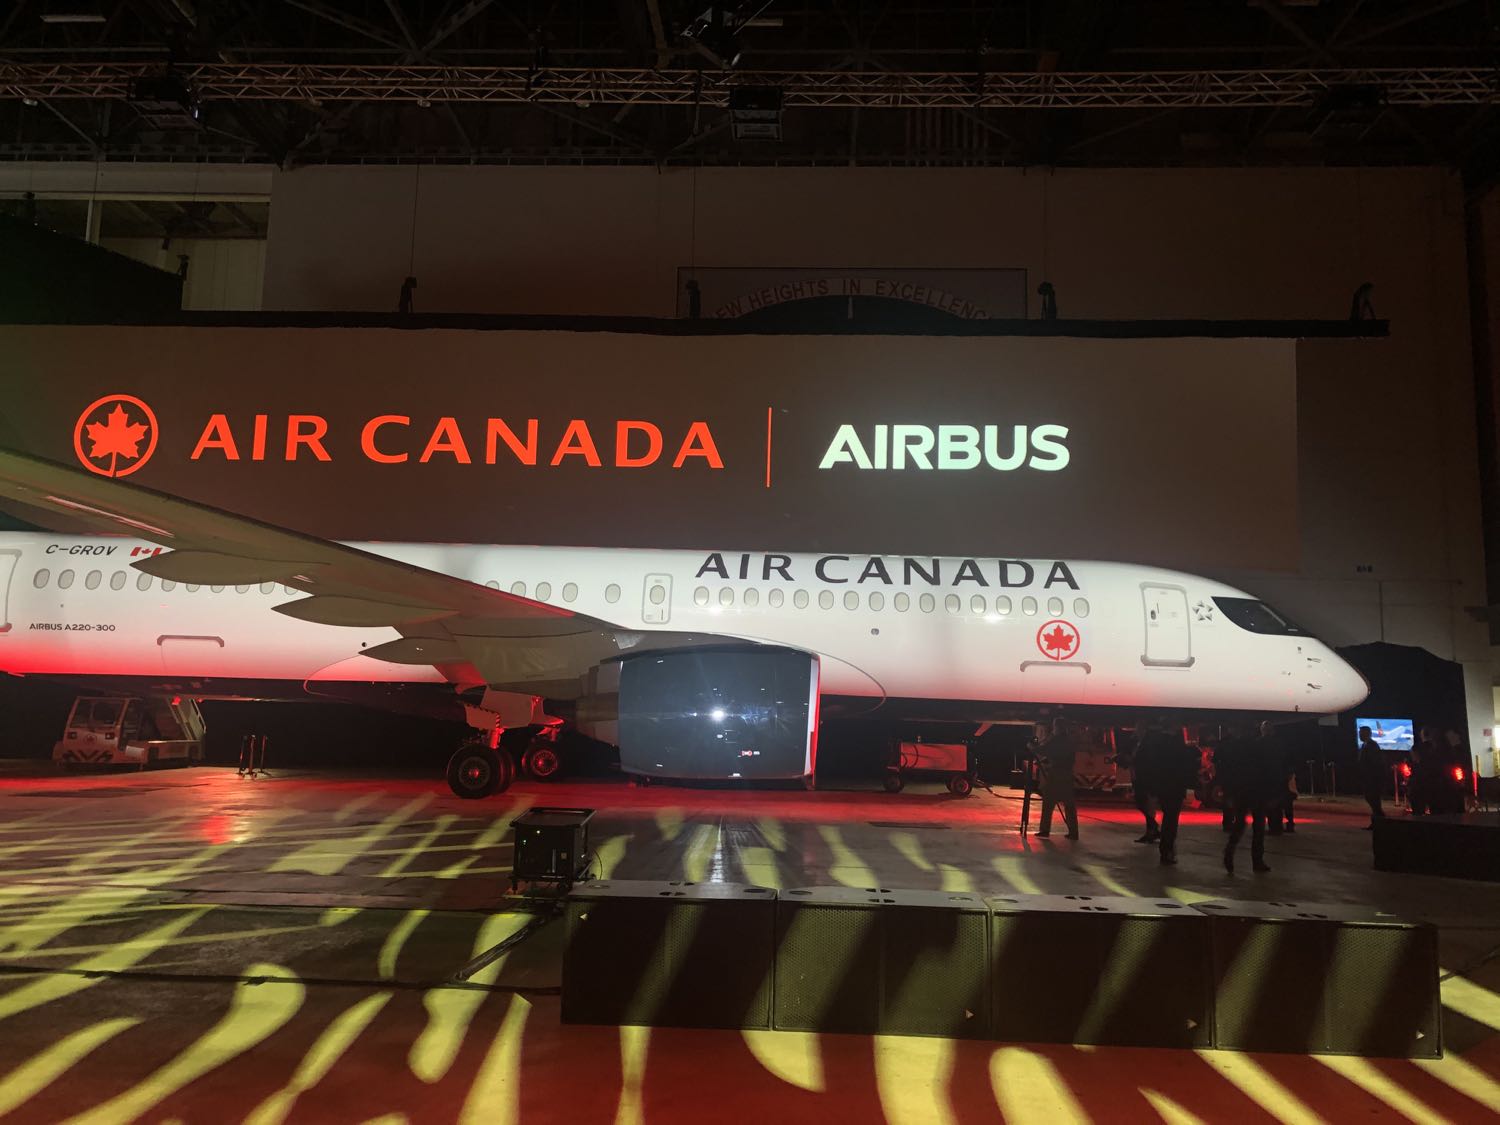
<point x="694" y="664"/>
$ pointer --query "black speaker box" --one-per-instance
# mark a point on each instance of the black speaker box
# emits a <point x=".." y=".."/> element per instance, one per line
<point x="1083" y="969"/>
<point x="1323" y="980"/>
<point x="880" y="961"/>
<point x="669" y="954"/>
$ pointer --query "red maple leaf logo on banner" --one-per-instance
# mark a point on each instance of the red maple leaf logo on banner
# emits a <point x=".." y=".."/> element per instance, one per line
<point x="108" y="435"/>
<point x="1058" y="640"/>
<point x="117" y="435"/>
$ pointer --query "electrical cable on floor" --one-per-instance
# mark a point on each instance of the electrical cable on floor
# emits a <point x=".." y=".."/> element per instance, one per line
<point x="493" y="954"/>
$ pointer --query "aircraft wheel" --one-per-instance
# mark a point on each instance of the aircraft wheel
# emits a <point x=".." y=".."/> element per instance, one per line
<point x="894" y="782"/>
<point x="477" y="771"/>
<point x="542" y="761"/>
<point x="960" y="785"/>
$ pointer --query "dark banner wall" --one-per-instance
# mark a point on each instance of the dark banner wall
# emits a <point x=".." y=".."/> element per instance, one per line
<point x="1173" y="451"/>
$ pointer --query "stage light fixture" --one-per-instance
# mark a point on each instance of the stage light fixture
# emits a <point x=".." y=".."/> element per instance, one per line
<point x="755" y="113"/>
<point x="164" y="100"/>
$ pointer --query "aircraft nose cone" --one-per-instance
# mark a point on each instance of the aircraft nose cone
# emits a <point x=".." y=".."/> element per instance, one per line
<point x="1349" y="688"/>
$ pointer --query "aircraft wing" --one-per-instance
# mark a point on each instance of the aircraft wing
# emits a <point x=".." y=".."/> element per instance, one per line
<point x="473" y="634"/>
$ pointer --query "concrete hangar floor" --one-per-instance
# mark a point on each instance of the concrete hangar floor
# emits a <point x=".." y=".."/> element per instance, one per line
<point x="175" y="944"/>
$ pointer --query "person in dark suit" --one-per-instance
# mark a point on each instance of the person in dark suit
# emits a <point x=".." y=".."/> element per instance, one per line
<point x="1280" y="809"/>
<point x="1252" y="781"/>
<point x="1371" y="774"/>
<point x="1172" y="767"/>
<point x="1141" y="767"/>
<point x="1426" y="770"/>
<point x="1056" y="755"/>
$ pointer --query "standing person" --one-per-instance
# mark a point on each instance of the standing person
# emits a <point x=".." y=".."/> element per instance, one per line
<point x="1455" y="767"/>
<point x="1371" y="774"/>
<point x="1056" y="755"/>
<point x="1227" y="757"/>
<point x="1251" y="784"/>
<point x="1279" y="751"/>
<point x="1142" y="769"/>
<point x="1174" y="768"/>
<point x="1420" y="788"/>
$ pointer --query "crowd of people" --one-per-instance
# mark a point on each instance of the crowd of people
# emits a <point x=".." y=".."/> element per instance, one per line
<point x="1255" y="773"/>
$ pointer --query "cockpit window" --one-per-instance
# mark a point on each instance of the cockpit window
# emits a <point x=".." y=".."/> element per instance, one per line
<point x="1257" y="617"/>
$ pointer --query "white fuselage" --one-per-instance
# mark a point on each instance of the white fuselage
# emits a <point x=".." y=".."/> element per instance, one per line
<point x="883" y="627"/>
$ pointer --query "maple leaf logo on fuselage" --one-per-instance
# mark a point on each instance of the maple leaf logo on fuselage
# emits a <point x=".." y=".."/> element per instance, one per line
<point x="1058" y="640"/>
<point x="114" y="436"/>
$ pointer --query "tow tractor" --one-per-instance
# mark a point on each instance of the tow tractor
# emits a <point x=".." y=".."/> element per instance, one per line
<point x="121" y="730"/>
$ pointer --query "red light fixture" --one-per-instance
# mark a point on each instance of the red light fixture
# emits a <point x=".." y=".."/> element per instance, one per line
<point x="1405" y="769"/>
<point x="1458" y="773"/>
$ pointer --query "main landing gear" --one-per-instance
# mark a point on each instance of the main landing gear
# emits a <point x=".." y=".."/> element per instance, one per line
<point x="479" y="771"/>
<point x="486" y="766"/>
<point x="541" y="759"/>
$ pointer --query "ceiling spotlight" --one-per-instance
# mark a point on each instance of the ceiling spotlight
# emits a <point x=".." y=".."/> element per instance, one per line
<point x="715" y="33"/>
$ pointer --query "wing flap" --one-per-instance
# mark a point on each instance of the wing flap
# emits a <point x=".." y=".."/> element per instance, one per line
<point x="361" y="613"/>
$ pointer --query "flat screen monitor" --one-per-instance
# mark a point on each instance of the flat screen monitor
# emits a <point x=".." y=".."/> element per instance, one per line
<point x="1389" y="734"/>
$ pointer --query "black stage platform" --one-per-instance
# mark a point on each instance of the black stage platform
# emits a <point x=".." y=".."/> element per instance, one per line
<point x="1461" y="846"/>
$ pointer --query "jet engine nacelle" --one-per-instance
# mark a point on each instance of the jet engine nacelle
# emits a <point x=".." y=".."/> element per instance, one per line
<point x="719" y="713"/>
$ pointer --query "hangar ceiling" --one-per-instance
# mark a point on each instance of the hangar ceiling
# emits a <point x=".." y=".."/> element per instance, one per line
<point x="863" y="82"/>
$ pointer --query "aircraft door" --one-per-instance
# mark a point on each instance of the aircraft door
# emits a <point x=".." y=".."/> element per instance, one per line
<point x="8" y="563"/>
<point x="656" y="599"/>
<point x="1169" y="642"/>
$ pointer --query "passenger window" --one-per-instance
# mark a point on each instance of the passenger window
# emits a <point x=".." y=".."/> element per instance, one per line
<point x="1054" y="606"/>
<point x="953" y="603"/>
<point x="1002" y="605"/>
<point x="39" y="579"/>
<point x="657" y="593"/>
<point x="492" y="584"/>
<point x="1081" y="607"/>
<point x="799" y="599"/>
<point x="726" y="596"/>
<point x="700" y="596"/>
<point x="927" y="602"/>
<point x="902" y="602"/>
<point x="518" y="589"/>
<point x="143" y="582"/>
<point x="242" y="589"/>
<point x="877" y="600"/>
<point x="117" y="580"/>
<point x="775" y="598"/>
<point x="612" y="593"/>
<point x="193" y="587"/>
<point x="825" y="599"/>
<point x="216" y="589"/>
<point x="570" y="591"/>
<point x="168" y="585"/>
<point x="1028" y="606"/>
<point x="290" y="592"/>
<point x="92" y="581"/>
<point x="851" y="599"/>
<point x="268" y="587"/>
<point x="978" y="605"/>
<point x="752" y="597"/>
<point x="64" y="580"/>
<point x="544" y="591"/>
